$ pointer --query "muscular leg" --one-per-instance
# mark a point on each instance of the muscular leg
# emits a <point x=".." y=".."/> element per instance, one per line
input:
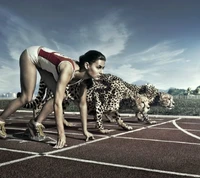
<point x="28" y="80"/>
<point x="48" y="107"/>
<point x="35" y="127"/>
<point x="46" y="110"/>
<point x="48" y="80"/>
<point x="51" y="84"/>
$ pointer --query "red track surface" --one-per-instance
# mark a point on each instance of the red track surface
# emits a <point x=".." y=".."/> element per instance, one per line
<point x="170" y="148"/>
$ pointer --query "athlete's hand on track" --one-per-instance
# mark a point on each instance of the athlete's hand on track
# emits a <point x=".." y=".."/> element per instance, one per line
<point x="61" y="142"/>
<point x="88" y="135"/>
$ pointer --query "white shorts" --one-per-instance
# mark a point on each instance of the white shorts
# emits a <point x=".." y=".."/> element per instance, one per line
<point x="33" y="54"/>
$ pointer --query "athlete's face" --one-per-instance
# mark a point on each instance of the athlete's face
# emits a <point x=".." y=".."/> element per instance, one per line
<point x="96" y="69"/>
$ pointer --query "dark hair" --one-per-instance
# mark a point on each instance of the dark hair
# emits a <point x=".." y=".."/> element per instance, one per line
<point x="90" y="57"/>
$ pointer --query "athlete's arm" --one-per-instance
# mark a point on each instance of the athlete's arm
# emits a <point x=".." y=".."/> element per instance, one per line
<point x="63" y="80"/>
<point x="83" y="111"/>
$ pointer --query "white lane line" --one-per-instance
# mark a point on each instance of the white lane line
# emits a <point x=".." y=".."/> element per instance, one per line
<point x="18" y="160"/>
<point x="186" y="132"/>
<point x="142" y="128"/>
<point x="97" y="140"/>
<point x="175" y="129"/>
<point x="189" y="123"/>
<point x="75" y="146"/>
<point x="157" y="140"/>
<point x="18" y="151"/>
<point x="125" y="166"/>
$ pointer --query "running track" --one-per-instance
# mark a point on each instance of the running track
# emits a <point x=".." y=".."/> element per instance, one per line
<point x="170" y="148"/>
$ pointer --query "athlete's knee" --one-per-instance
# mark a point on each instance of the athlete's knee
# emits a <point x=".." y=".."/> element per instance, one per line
<point x="25" y="98"/>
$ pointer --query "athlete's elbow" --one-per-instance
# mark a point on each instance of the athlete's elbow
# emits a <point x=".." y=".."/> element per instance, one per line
<point x="57" y="106"/>
<point x="82" y="104"/>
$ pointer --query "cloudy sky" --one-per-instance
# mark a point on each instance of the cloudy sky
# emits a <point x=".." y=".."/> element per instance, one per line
<point x="144" y="41"/>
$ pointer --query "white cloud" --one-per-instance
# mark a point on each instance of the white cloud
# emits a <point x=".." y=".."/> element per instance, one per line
<point x="113" y="34"/>
<point x="160" y="54"/>
<point x="130" y="74"/>
<point x="109" y="35"/>
<point x="182" y="78"/>
<point x="162" y="79"/>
